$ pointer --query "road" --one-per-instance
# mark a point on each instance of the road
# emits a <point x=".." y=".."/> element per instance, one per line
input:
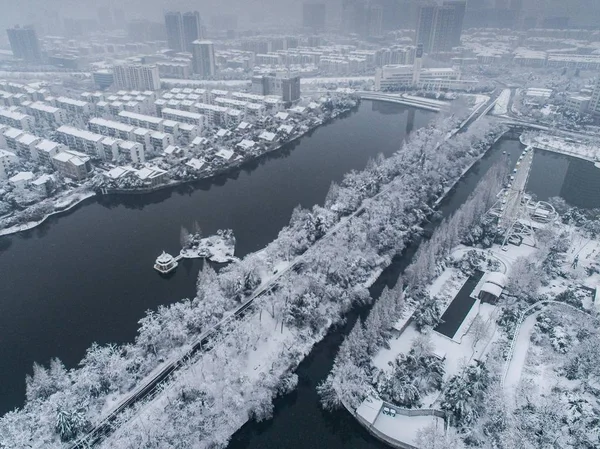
<point x="152" y="386"/>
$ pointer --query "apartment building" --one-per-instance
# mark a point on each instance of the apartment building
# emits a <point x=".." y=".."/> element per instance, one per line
<point x="82" y="141"/>
<point x="16" y="119"/>
<point x="72" y="164"/>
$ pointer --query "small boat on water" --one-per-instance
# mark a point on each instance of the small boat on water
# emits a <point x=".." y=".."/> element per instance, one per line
<point x="165" y="263"/>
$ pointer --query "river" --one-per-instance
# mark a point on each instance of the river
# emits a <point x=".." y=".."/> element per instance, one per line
<point x="87" y="275"/>
<point x="299" y="421"/>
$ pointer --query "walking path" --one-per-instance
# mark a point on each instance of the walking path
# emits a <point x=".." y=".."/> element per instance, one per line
<point x="517" y="362"/>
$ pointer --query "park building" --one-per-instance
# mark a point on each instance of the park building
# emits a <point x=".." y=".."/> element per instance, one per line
<point x="491" y="286"/>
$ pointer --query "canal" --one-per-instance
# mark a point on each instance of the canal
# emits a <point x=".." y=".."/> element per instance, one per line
<point x="87" y="276"/>
<point x="299" y="421"/>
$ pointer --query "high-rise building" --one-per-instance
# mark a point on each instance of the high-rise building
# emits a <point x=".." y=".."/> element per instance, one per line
<point x="362" y="17"/>
<point x="203" y="58"/>
<point x="425" y="20"/>
<point x="103" y="78"/>
<point x="24" y="43"/>
<point x="350" y="15"/>
<point x="192" y="29"/>
<point x="375" y="25"/>
<point x="439" y="27"/>
<point x="105" y="17"/>
<point x="290" y="89"/>
<point x="174" y="26"/>
<point x="313" y="16"/>
<point x="459" y="7"/>
<point x="284" y="84"/>
<point x="136" y="77"/>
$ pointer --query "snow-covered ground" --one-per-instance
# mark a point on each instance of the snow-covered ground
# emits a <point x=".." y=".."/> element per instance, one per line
<point x="501" y="106"/>
<point x="63" y="204"/>
<point x="400" y="427"/>
<point x="404" y="428"/>
<point x="174" y="82"/>
<point x="260" y="341"/>
<point x="583" y="150"/>
<point x="457" y="351"/>
<point x="215" y="248"/>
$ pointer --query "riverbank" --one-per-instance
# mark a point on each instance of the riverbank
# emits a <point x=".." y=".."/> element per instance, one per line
<point x="497" y="328"/>
<point x="236" y="166"/>
<point x="588" y="151"/>
<point x="62" y="206"/>
<point x="331" y="313"/>
<point x="340" y="274"/>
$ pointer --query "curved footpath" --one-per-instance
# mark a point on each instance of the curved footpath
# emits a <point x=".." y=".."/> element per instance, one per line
<point x="515" y="362"/>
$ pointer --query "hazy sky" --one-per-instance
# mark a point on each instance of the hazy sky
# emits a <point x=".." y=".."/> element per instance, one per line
<point x="283" y="12"/>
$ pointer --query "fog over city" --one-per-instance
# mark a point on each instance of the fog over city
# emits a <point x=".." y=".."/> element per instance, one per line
<point x="334" y="224"/>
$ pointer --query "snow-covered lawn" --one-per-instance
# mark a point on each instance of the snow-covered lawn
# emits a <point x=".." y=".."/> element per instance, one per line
<point x="501" y="106"/>
<point x="215" y="247"/>
<point x="261" y="343"/>
<point x="458" y="351"/>
<point x="405" y="428"/>
<point x="542" y="380"/>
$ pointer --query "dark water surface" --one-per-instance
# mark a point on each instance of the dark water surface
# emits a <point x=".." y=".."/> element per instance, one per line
<point x="299" y="421"/>
<point x="87" y="276"/>
<point x="459" y="308"/>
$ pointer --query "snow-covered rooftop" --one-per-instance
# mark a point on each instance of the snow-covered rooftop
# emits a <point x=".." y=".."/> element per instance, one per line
<point x="225" y="153"/>
<point x="23" y="176"/>
<point x="246" y="144"/>
<point x="150" y="172"/>
<point x="27" y="139"/>
<point x="286" y="128"/>
<point x="268" y="136"/>
<point x="112" y="124"/>
<point x="194" y="163"/>
<point x="80" y="133"/>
